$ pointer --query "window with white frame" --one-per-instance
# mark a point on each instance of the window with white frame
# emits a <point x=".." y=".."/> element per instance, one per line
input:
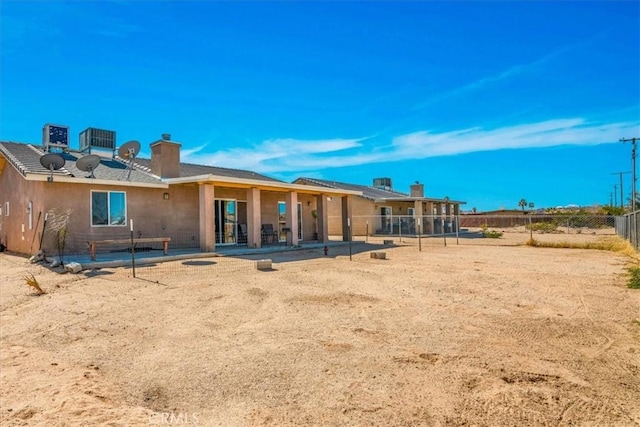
<point x="6" y="208"/>
<point x="282" y="221"/>
<point x="108" y="208"/>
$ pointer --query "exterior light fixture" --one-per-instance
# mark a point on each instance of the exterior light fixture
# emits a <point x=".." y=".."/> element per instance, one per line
<point x="165" y="196"/>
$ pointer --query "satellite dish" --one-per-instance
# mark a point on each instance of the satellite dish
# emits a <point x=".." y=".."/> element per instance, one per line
<point x="88" y="163"/>
<point x="52" y="162"/>
<point x="129" y="151"/>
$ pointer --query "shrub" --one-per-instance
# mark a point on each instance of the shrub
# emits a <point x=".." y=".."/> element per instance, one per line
<point x="30" y="280"/>
<point x="634" y="278"/>
<point x="543" y="227"/>
<point x="612" y="244"/>
<point x="492" y="234"/>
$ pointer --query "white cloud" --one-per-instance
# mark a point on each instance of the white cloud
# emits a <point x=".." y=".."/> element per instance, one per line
<point x="542" y="134"/>
<point x="514" y="71"/>
<point x="289" y="155"/>
<point x="273" y="155"/>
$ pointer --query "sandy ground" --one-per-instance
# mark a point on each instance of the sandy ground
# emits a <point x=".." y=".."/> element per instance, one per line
<point x="481" y="334"/>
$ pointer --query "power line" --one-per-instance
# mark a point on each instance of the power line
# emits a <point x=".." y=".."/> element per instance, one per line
<point x="621" y="187"/>
<point x="633" y="142"/>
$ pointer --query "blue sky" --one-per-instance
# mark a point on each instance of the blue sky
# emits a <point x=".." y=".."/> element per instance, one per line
<point x="486" y="102"/>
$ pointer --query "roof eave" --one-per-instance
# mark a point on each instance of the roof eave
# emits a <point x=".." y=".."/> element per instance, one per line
<point x="418" y="199"/>
<point x="93" y="181"/>
<point x="263" y="185"/>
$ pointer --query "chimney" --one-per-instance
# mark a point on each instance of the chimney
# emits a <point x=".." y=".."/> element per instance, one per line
<point x="417" y="190"/>
<point x="165" y="157"/>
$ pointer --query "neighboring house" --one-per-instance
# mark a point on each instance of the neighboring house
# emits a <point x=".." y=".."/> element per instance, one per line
<point x="381" y="210"/>
<point x="194" y="205"/>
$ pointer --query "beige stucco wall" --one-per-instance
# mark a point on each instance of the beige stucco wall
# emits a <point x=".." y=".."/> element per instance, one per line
<point x="361" y="211"/>
<point x="269" y="214"/>
<point x="153" y="216"/>
<point x="365" y="211"/>
<point x="18" y="192"/>
<point x="176" y="216"/>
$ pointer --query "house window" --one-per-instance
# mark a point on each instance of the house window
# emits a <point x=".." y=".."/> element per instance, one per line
<point x="282" y="221"/>
<point x="108" y="208"/>
<point x="385" y="220"/>
<point x="6" y="208"/>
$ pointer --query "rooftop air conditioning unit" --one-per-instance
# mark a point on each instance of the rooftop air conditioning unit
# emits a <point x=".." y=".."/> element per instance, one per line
<point x="97" y="138"/>
<point x="382" y="183"/>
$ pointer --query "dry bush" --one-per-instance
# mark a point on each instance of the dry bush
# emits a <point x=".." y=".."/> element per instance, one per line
<point x="612" y="244"/>
<point x="30" y="280"/>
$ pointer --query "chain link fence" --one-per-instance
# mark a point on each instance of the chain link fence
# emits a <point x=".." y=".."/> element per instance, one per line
<point x="407" y="225"/>
<point x="477" y="229"/>
<point x="162" y="259"/>
<point x="626" y="226"/>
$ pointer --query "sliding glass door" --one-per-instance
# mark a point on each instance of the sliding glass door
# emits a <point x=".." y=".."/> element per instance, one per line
<point x="226" y="222"/>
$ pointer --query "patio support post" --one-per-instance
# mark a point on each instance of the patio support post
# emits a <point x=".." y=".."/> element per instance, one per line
<point x="448" y="220"/>
<point x="323" y="218"/>
<point x="456" y="219"/>
<point x="291" y="199"/>
<point x="254" y="218"/>
<point x="346" y="215"/>
<point x="417" y="213"/>
<point x="207" y="225"/>
<point x="435" y="217"/>
<point x="427" y="223"/>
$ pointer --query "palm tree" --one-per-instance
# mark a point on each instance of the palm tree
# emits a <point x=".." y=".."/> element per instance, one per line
<point x="523" y="204"/>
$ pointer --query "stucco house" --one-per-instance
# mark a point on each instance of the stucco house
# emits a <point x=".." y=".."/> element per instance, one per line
<point x="194" y="205"/>
<point x="381" y="210"/>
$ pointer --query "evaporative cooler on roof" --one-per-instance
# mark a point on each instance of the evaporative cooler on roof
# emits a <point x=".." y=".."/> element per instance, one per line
<point x="97" y="138"/>
<point x="55" y="136"/>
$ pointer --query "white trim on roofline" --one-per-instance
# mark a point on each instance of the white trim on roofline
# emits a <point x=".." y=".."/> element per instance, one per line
<point x="200" y="179"/>
<point x="271" y="185"/>
<point x="94" y="181"/>
<point x="423" y="199"/>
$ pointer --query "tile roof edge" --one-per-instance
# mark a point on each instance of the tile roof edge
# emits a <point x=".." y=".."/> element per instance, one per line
<point x="12" y="159"/>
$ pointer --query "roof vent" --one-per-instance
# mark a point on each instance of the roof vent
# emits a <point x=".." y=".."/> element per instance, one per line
<point x="166" y="137"/>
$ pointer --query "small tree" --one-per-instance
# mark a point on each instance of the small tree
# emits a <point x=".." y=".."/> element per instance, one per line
<point x="523" y="204"/>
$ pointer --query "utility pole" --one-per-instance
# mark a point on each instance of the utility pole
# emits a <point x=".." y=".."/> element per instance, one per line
<point x="621" y="187"/>
<point x="633" y="142"/>
<point x="615" y="194"/>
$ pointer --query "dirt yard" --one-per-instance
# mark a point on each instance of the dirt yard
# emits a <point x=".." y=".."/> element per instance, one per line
<point x="489" y="334"/>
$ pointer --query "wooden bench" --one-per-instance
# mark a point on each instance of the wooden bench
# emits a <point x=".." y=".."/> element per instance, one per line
<point x="93" y="243"/>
